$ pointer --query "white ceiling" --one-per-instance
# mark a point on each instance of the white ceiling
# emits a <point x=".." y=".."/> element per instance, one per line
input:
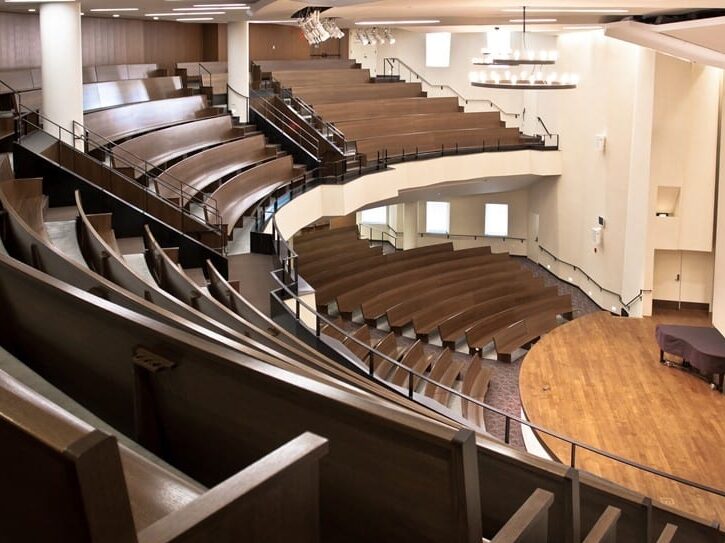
<point x="453" y="14"/>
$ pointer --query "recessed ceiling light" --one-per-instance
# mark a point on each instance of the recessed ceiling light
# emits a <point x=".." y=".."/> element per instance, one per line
<point x="196" y="19"/>
<point x="533" y="20"/>
<point x="277" y="22"/>
<point x="194" y="10"/>
<point x="116" y="15"/>
<point x="583" y="27"/>
<point x="393" y="23"/>
<point x="156" y="18"/>
<point x="31" y="10"/>
<point x="176" y="14"/>
<point x="567" y="10"/>
<point x="114" y="9"/>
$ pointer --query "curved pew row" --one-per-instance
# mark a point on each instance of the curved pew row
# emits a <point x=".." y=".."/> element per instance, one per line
<point x="77" y="483"/>
<point x="318" y="276"/>
<point x="33" y="248"/>
<point x="320" y="78"/>
<point x="203" y="169"/>
<point x="438" y="140"/>
<point x="405" y="124"/>
<point x="327" y="293"/>
<point x="353" y="298"/>
<point x="110" y="94"/>
<point x="123" y="122"/>
<point x="339" y="112"/>
<point x="234" y="197"/>
<point x="166" y="145"/>
<point x="210" y="394"/>
<point x="368" y="91"/>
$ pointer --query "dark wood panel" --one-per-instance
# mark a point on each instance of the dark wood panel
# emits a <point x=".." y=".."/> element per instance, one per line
<point x="282" y="42"/>
<point x="106" y="41"/>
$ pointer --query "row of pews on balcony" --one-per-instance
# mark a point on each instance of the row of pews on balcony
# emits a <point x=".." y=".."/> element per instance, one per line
<point x="470" y="295"/>
<point x="390" y="118"/>
<point x="194" y="374"/>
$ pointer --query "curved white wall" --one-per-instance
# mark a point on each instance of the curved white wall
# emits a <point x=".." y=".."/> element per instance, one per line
<point x="338" y="200"/>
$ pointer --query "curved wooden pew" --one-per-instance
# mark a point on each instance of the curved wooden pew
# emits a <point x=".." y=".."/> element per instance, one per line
<point x="353" y="298"/>
<point x="454" y="328"/>
<point x="193" y="175"/>
<point x="117" y="72"/>
<point x="475" y="385"/>
<point x="269" y="66"/>
<point x="339" y="112"/>
<point x="446" y="371"/>
<point x="331" y="290"/>
<point x="333" y="248"/>
<point x="482" y="332"/>
<point x="376" y="307"/>
<point x="320" y="78"/>
<point x="234" y="197"/>
<point x="417" y="360"/>
<point x="318" y="233"/>
<point x="333" y="261"/>
<point x="163" y="146"/>
<point x="72" y="482"/>
<point x="403" y="313"/>
<point x="389" y="347"/>
<point x="322" y="276"/>
<point x="367" y="91"/>
<point x="405" y="124"/>
<point x="522" y="333"/>
<point x="126" y="121"/>
<point x="309" y="243"/>
<point x="110" y="94"/>
<point x="437" y="140"/>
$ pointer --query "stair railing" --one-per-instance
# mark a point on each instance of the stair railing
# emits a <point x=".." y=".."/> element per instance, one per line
<point x="203" y="69"/>
<point x="390" y="63"/>
<point x="238" y="95"/>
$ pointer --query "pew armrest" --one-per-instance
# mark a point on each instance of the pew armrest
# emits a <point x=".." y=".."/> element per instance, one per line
<point x="231" y="508"/>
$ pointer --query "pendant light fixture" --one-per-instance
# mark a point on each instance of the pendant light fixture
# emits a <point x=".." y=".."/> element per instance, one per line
<point x="531" y="77"/>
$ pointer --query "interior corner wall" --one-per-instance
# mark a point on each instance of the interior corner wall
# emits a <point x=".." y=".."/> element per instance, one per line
<point x="718" y="303"/>
<point x="594" y="182"/>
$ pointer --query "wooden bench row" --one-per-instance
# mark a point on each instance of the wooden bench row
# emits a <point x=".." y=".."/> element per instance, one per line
<point x="364" y="110"/>
<point x="163" y="146"/>
<point x="314" y="95"/>
<point x="123" y="122"/>
<point x="72" y="482"/>
<point x="320" y="78"/>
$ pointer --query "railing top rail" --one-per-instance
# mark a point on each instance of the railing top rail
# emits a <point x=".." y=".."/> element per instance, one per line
<point x="470" y="236"/>
<point x="181" y="188"/>
<point x="392" y="60"/>
<point x="417" y="375"/>
<point x="594" y="281"/>
<point x="210" y="207"/>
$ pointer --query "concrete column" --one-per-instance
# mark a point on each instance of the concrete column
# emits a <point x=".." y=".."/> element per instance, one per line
<point x="238" y="61"/>
<point x="410" y="222"/>
<point x="61" y="67"/>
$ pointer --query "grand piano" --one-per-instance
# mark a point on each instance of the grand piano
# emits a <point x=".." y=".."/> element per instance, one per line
<point x="701" y="347"/>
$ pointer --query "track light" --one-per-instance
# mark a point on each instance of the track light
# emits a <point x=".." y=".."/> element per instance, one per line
<point x="317" y="30"/>
<point x="375" y="36"/>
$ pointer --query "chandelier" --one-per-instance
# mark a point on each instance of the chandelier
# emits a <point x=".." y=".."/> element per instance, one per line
<point x="533" y="78"/>
<point x="317" y="30"/>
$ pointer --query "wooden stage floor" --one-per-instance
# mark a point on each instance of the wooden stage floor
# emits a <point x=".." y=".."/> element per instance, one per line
<point x="598" y="379"/>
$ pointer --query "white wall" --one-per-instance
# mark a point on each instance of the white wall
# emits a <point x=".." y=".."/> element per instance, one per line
<point x="718" y="303"/>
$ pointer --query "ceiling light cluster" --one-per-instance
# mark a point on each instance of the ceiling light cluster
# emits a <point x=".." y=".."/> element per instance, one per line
<point x="374" y="36"/>
<point x="533" y="80"/>
<point x="318" y="30"/>
<point x="504" y="57"/>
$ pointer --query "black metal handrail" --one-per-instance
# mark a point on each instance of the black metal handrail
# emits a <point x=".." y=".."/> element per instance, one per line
<point x="239" y="95"/>
<point x="448" y="235"/>
<point x="626" y="305"/>
<point x="391" y="238"/>
<point x="181" y="189"/>
<point x="391" y="61"/>
<point x="414" y="376"/>
<point x="201" y="75"/>
<point x="73" y="137"/>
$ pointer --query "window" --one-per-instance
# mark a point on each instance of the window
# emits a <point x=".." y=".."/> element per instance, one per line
<point x="437" y="217"/>
<point x="376" y="215"/>
<point x="438" y="49"/>
<point x="496" y="220"/>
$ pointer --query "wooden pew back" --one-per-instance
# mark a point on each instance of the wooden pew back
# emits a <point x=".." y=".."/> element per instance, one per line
<point x="303" y="78"/>
<point x="338" y="112"/>
<point x="110" y="94"/>
<point x="366" y="91"/>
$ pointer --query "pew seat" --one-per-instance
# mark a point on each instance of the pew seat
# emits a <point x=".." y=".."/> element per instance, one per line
<point x="389" y="347"/>
<point x="165" y="145"/>
<point x="314" y="95"/>
<point x="417" y="360"/>
<point x="522" y="333"/>
<point x="362" y="110"/>
<point x="446" y="371"/>
<point x="302" y="78"/>
<point x="475" y="385"/>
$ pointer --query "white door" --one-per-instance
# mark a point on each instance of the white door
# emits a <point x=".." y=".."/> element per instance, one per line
<point x="667" y="276"/>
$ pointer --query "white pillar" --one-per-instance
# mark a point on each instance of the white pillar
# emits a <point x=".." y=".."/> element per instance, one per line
<point x="238" y="71"/>
<point x="410" y="230"/>
<point x="61" y="66"/>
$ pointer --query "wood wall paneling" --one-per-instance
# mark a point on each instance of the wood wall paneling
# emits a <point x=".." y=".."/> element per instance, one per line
<point x="105" y="41"/>
<point x="284" y="42"/>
